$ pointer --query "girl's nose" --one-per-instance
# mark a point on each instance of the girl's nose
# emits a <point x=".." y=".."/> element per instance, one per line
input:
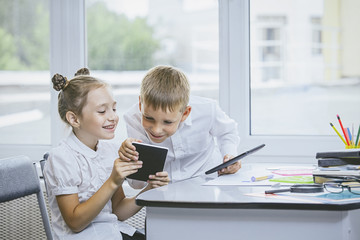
<point x="112" y="116"/>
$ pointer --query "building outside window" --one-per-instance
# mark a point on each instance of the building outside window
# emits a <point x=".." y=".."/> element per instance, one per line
<point x="304" y="67"/>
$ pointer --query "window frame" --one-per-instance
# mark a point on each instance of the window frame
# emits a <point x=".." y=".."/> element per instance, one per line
<point x="68" y="53"/>
<point x="235" y="94"/>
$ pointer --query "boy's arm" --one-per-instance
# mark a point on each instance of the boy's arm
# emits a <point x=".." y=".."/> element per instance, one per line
<point x="226" y="132"/>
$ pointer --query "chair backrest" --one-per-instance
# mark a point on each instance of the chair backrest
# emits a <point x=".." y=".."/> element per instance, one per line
<point x="43" y="161"/>
<point x="42" y="165"/>
<point x="19" y="178"/>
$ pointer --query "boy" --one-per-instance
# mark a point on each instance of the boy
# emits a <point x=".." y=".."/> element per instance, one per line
<point x="196" y="131"/>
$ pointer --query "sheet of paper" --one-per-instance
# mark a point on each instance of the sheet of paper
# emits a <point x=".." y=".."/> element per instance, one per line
<point x="293" y="170"/>
<point x="284" y="197"/>
<point x="243" y="176"/>
<point x="242" y="179"/>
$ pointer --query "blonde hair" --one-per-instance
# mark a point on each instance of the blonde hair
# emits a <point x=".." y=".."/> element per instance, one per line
<point x="73" y="93"/>
<point x="165" y="87"/>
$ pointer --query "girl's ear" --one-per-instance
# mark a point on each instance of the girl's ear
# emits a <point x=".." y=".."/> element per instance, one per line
<point x="186" y="113"/>
<point x="72" y="119"/>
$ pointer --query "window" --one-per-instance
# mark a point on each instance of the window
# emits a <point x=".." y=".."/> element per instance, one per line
<point x="269" y="67"/>
<point x="288" y="110"/>
<point x="24" y="72"/>
<point x="304" y="69"/>
<point x="126" y="38"/>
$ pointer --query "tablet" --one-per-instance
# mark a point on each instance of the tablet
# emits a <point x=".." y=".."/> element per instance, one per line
<point x="153" y="158"/>
<point x="235" y="159"/>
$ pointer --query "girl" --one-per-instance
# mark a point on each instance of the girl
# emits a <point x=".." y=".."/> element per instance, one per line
<point x="84" y="175"/>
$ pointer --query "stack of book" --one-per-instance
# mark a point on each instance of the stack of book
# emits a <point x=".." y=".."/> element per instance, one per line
<point x="337" y="166"/>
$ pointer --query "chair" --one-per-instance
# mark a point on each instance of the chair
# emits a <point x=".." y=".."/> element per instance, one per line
<point x="19" y="178"/>
<point x="42" y="165"/>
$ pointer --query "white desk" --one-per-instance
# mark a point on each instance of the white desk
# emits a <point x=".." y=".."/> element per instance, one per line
<point x="188" y="210"/>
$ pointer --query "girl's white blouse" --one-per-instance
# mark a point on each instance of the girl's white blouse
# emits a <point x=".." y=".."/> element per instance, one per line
<point x="72" y="167"/>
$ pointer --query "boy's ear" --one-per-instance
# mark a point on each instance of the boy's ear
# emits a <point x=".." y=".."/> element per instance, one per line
<point x="139" y="103"/>
<point x="186" y="113"/>
<point x="72" y="119"/>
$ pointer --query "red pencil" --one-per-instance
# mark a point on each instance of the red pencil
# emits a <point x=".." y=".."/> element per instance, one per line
<point x="343" y="130"/>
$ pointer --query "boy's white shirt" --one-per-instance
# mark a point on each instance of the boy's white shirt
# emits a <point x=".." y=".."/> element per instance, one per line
<point x="193" y="148"/>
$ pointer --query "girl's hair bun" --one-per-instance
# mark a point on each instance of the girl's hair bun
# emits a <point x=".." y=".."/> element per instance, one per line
<point x="82" y="71"/>
<point x="59" y="82"/>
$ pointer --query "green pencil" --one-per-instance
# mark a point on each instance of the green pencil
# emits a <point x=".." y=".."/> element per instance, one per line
<point x="357" y="138"/>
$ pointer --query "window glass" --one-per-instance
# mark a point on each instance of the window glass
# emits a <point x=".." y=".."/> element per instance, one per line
<point x="24" y="72"/>
<point x="125" y="38"/>
<point x="304" y="66"/>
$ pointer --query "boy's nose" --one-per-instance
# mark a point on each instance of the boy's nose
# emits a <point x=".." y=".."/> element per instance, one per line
<point x="156" y="128"/>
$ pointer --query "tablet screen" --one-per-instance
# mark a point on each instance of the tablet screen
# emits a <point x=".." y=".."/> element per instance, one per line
<point x="153" y="158"/>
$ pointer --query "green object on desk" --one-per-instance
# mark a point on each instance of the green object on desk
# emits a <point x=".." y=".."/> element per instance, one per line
<point x="294" y="179"/>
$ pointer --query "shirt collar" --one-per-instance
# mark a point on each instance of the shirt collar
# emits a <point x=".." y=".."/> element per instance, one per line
<point x="80" y="147"/>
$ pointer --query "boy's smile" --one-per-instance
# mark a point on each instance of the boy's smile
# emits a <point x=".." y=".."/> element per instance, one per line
<point x="159" y="124"/>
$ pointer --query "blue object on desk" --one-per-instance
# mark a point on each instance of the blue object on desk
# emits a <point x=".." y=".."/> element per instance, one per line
<point x="256" y="179"/>
<point x="339" y="196"/>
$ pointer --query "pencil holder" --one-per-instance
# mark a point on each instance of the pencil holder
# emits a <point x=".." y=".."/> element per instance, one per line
<point x="351" y="146"/>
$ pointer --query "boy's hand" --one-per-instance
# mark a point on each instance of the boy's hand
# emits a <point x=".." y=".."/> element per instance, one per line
<point x="158" y="180"/>
<point x="233" y="168"/>
<point x="127" y="151"/>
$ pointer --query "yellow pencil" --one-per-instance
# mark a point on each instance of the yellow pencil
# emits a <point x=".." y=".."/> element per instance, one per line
<point x="338" y="133"/>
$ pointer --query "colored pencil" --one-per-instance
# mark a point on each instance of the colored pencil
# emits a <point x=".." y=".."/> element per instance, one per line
<point x="343" y="130"/>
<point x="338" y="133"/>
<point x="349" y="135"/>
<point x="357" y="138"/>
<point x="353" y="136"/>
